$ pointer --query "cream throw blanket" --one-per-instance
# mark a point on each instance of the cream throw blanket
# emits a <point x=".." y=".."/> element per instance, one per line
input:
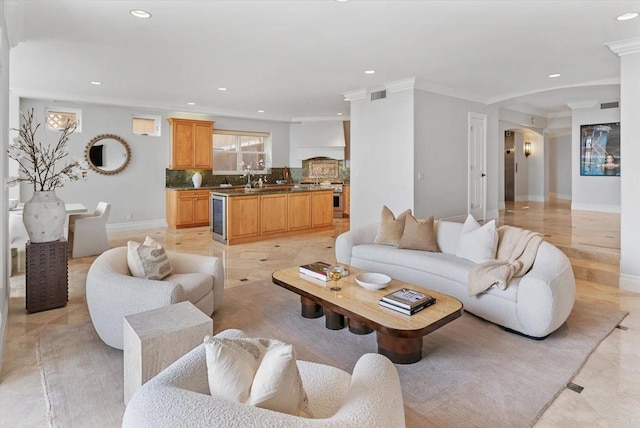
<point x="517" y="249"/>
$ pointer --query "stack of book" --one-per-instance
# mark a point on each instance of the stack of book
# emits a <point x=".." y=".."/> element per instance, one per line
<point x="407" y="301"/>
<point x="317" y="270"/>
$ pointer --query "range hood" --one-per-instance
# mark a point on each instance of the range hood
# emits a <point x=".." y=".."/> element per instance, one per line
<point x="320" y="139"/>
<point x="304" y="153"/>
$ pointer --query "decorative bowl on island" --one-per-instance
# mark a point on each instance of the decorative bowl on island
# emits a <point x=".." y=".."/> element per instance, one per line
<point x="373" y="281"/>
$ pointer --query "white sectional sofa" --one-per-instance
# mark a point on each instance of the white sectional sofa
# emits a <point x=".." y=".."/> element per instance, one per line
<point x="535" y="304"/>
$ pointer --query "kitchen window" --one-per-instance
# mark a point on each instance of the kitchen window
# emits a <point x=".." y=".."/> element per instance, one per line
<point x="237" y="151"/>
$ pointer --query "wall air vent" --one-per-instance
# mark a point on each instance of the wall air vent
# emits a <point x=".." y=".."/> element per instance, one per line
<point x="378" y="95"/>
<point x="614" y="104"/>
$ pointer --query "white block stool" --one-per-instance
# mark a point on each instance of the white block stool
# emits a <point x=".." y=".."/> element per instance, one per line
<point x="155" y="339"/>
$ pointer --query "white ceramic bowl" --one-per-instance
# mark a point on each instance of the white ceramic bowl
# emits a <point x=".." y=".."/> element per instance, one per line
<point x="373" y="281"/>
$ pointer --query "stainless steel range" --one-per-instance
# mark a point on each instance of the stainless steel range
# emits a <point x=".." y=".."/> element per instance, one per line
<point x="337" y="199"/>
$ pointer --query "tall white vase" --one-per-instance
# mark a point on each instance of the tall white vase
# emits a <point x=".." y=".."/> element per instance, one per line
<point x="44" y="216"/>
<point x="197" y="179"/>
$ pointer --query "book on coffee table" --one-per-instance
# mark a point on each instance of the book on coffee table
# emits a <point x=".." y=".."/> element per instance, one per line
<point x="317" y="270"/>
<point x="407" y="311"/>
<point x="408" y="299"/>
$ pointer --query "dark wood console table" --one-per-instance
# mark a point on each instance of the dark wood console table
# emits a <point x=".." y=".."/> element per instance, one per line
<point x="46" y="275"/>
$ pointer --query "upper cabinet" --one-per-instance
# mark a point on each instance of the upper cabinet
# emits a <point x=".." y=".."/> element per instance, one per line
<point x="191" y="144"/>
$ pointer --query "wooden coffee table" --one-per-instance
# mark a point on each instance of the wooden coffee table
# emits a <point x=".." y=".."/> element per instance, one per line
<point x="399" y="336"/>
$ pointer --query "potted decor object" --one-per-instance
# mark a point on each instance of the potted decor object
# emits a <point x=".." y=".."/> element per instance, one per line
<point x="44" y="214"/>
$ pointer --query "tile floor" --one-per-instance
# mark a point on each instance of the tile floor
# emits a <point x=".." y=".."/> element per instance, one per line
<point x="611" y="376"/>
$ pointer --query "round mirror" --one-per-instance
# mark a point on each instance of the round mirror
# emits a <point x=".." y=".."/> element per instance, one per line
<point x="108" y="154"/>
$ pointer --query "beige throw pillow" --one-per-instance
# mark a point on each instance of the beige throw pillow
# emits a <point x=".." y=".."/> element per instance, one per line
<point x="419" y="235"/>
<point x="148" y="260"/>
<point x="391" y="228"/>
<point x="258" y="372"/>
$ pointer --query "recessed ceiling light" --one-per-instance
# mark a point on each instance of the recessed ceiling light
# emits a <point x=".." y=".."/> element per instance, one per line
<point x="627" y="16"/>
<point x="222" y="89"/>
<point x="260" y="111"/>
<point x="347" y="99"/>
<point x="554" y="75"/>
<point x="342" y="1"/>
<point x="95" y="82"/>
<point x="339" y="114"/>
<point x="139" y="13"/>
<point x="369" y="71"/>
<point x="191" y="104"/>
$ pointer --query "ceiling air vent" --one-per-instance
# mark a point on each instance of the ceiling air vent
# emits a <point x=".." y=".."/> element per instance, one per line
<point x="614" y="104"/>
<point x="378" y="95"/>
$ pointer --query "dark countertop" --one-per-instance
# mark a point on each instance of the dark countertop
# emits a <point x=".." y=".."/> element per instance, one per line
<point x="266" y="190"/>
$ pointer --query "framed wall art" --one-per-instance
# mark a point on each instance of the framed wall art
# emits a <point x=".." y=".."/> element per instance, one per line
<point x="600" y="149"/>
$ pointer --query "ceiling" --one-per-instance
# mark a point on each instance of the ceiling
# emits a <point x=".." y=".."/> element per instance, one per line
<point x="295" y="59"/>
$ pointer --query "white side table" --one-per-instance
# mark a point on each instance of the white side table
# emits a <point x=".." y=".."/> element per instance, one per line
<point x="155" y="339"/>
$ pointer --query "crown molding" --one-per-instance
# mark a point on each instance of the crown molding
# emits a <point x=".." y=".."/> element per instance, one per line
<point x="142" y="104"/>
<point x="320" y="118"/>
<point x="559" y="115"/>
<point x="401" y="85"/>
<point x="356" y="94"/>
<point x="450" y="92"/>
<point x="583" y="104"/>
<point x="625" y="47"/>
<point x="603" y="82"/>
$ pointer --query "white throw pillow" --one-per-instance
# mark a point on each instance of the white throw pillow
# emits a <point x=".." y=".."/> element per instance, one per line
<point x="277" y="384"/>
<point x="258" y="372"/>
<point x="148" y="260"/>
<point x="478" y="243"/>
<point x="231" y="366"/>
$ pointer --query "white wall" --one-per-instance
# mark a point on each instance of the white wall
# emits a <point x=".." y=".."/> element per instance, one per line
<point x="139" y="189"/>
<point x="630" y="176"/>
<point x="440" y="153"/>
<point x="560" y="166"/>
<point x="593" y="193"/>
<point x="382" y="142"/>
<point x="5" y="255"/>
<point x="535" y="165"/>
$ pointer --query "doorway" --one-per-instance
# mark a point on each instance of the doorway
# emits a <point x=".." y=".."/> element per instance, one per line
<point x="509" y="166"/>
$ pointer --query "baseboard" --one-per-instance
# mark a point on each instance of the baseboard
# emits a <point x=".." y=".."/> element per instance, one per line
<point x="135" y="225"/>
<point x="565" y="196"/>
<point x="491" y="214"/>
<point x="4" y="317"/>
<point x="595" y="207"/>
<point x="501" y="205"/>
<point x="629" y="283"/>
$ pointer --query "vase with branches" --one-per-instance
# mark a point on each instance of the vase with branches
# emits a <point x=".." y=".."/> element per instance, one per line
<point x="39" y="163"/>
<point x="46" y="167"/>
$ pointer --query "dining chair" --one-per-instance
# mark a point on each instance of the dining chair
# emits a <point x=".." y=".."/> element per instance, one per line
<point x="88" y="232"/>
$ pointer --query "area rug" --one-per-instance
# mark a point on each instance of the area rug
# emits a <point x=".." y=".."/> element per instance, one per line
<point x="473" y="373"/>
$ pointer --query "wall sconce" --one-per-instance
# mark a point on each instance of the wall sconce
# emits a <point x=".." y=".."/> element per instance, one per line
<point x="527" y="149"/>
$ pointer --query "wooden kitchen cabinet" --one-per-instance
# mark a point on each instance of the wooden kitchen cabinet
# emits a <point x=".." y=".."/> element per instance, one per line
<point x="299" y="213"/>
<point x="321" y="209"/>
<point x="187" y="208"/>
<point x="346" y="199"/>
<point x="273" y="214"/>
<point x="243" y="217"/>
<point x="191" y="144"/>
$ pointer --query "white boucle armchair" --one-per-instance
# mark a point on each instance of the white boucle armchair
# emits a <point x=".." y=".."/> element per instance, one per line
<point x="179" y="397"/>
<point x="112" y="293"/>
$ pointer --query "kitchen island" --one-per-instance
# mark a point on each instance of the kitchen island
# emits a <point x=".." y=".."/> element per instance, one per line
<point x="240" y="215"/>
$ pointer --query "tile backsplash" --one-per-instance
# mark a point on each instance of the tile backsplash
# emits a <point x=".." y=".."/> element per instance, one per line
<point x="334" y="171"/>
